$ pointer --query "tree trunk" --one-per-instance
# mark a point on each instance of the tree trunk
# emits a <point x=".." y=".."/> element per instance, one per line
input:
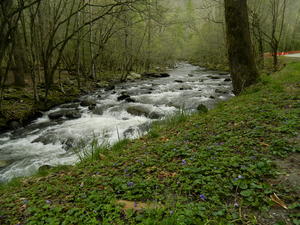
<point x="19" y="61"/>
<point x="241" y="58"/>
<point x="274" y="54"/>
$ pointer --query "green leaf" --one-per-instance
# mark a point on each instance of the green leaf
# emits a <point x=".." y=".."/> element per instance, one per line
<point x="247" y="193"/>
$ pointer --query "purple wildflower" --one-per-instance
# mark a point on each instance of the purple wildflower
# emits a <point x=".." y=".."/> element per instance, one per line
<point x="238" y="178"/>
<point x="130" y="184"/>
<point x="135" y="204"/>
<point x="171" y="212"/>
<point x="48" y="202"/>
<point x="202" y="197"/>
<point x="183" y="162"/>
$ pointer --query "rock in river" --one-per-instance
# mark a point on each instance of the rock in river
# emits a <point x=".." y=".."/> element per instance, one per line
<point x="70" y="105"/>
<point x="69" y="113"/>
<point x="123" y="96"/>
<point x="138" y="110"/>
<point x="88" y="102"/>
<point x="3" y="163"/>
<point x="156" y="75"/>
<point x="13" y="125"/>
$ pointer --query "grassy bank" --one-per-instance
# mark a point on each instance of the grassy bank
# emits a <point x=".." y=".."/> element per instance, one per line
<point x="215" y="168"/>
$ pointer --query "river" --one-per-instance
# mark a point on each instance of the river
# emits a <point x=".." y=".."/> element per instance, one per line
<point x="64" y="140"/>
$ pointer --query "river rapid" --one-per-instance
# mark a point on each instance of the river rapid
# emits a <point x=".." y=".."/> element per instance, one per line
<point x="64" y="134"/>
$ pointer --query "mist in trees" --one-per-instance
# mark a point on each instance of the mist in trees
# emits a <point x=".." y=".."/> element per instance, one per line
<point x="46" y="41"/>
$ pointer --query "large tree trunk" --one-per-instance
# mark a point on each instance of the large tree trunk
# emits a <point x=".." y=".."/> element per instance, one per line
<point x="241" y="58"/>
<point x="19" y="61"/>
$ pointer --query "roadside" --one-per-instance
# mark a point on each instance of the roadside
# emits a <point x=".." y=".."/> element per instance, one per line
<point x="209" y="168"/>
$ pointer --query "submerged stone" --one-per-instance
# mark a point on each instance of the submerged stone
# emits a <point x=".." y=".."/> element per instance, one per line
<point x="3" y="163"/>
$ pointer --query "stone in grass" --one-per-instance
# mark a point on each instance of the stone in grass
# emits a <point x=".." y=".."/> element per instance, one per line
<point x="202" y="108"/>
<point x="137" y="206"/>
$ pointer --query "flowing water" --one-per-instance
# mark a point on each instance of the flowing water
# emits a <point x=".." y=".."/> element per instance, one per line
<point x="56" y="141"/>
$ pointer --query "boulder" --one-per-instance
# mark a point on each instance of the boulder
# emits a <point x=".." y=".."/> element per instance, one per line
<point x="46" y="139"/>
<point x="138" y="110"/>
<point x="155" y="115"/>
<point x="202" y="108"/>
<point x="88" y="102"/>
<point x="129" y="132"/>
<point x="134" y="76"/>
<point x="227" y="80"/>
<point x="70" y="105"/>
<point x="57" y="115"/>
<point x="185" y="87"/>
<point x="73" y="114"/>
<point x="212" y="97"/>
<point x="123" y="96"/>
<point x="219" y="91"/>
<point x="155" y="75"/>
<point x="69" y="113"/>
<point x="13" y="125"/>
<point x="3" y="163"/>
<point x="110" y="87"/>
<point x="68" y="144"/>
<point x="92" y="107"/>
<point x="164" y="75"/>
<point x="130" y="100"/>
<point x="214" y="77"/>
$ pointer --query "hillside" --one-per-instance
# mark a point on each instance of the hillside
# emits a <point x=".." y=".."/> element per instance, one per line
<point x="219" y="167"/>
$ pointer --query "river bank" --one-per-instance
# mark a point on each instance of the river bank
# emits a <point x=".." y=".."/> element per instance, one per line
<point x="19" y="107"/>
<point x="228" y="166"/>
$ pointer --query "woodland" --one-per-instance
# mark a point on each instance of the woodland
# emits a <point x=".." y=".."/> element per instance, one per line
<point x="46" y="42"/>
<point x="150" y="112"/>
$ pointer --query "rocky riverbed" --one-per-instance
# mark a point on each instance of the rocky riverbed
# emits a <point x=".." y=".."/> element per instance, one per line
<point x="65" y="133"/>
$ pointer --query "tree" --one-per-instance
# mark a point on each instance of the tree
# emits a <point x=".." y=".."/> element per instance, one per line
<point x="241" y="58"/>
<point x="277" y="10"/>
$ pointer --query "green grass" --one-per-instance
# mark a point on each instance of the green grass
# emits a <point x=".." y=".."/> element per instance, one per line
<point x="208" y="168"/>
